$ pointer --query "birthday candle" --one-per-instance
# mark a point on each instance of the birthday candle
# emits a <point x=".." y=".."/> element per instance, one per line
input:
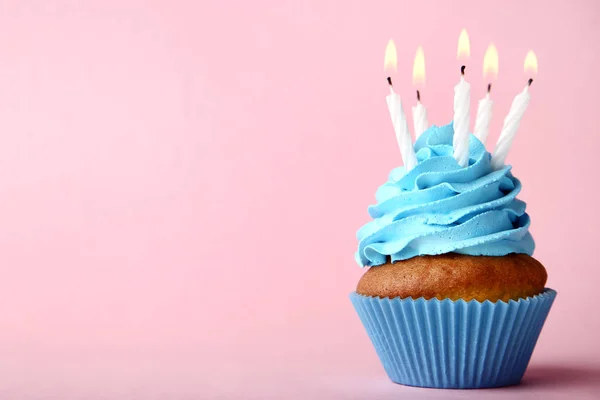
<point x="513" y="119"/>
<point x="399" y="122"/>
<point x="484" y="109"/>
<point x="462" y="107"/>
<point x="407" y="150"/>
<point x="511" y="125"/>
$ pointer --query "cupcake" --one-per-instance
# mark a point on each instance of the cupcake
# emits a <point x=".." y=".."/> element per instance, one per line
<point x="453" y="297"/>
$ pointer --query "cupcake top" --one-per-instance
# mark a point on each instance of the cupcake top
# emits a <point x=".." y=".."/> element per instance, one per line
<point x="440" y="207"/>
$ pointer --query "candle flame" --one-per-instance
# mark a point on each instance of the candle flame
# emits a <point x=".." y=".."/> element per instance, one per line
<point x="464" y="46"/>
<point x="391" y="60"/>
<point x="490" y="62"/>
<point x="531" y="64"/>
<point x="419" y="67"/>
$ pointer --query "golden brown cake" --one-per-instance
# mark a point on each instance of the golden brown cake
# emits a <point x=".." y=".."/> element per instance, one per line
<point x="456" y="276"/>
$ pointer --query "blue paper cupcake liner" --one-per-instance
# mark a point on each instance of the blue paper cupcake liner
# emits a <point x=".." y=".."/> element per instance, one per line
<point x="454" y="344"/>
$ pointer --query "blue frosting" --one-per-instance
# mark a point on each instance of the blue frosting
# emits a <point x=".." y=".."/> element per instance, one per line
<point x="440" y="207"/>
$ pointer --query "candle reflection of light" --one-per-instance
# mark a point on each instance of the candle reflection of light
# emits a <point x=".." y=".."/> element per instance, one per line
<point x="464" y="46"/>
<point x="531" y="64"/>
<point x="490" y="63"/>
<point x="419" y="68"/>
<point x="390" y="63"/>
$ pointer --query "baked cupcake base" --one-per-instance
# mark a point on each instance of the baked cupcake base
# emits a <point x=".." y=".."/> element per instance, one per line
<point x="457" y="276"/>
<point x="454" y="344"/>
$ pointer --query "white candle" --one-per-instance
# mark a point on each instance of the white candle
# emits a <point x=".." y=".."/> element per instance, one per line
<point x="407" y="150"/>
<point x="511" y="125"/>
<point x="462" y="104"/>
<point x="484" y="116"/>
<point x="419" y="117"/>
<point x="484" y="110"/>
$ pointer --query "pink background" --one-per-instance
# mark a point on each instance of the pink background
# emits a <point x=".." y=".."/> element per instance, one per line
<point x="181" y="183"/>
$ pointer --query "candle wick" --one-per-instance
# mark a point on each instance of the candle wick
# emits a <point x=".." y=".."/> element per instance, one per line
<point x="489" y="87"/>
<point x="418" y="96"/>
<point x="389" y="79"/>
<point x="462" y="70"/>
<point x="529" y="82"/>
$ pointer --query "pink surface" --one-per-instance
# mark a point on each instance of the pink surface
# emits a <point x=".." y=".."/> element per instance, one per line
<point x="181" y="183"/>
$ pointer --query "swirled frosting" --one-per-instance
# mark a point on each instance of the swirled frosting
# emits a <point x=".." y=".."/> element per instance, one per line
<point x="440" y="207"/>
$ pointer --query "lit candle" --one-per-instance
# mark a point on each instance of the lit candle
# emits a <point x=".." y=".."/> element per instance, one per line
<point x="513" y="119"/>
<point x="462" y="105"/>
<point x="484" y="110"/>
<point x="419" y="111"/>
<point x="394" y="103"/>
<point x="407" y="150"/>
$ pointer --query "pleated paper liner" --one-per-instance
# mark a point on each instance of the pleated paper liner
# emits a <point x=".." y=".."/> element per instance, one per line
<point x="454" y="344"/>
